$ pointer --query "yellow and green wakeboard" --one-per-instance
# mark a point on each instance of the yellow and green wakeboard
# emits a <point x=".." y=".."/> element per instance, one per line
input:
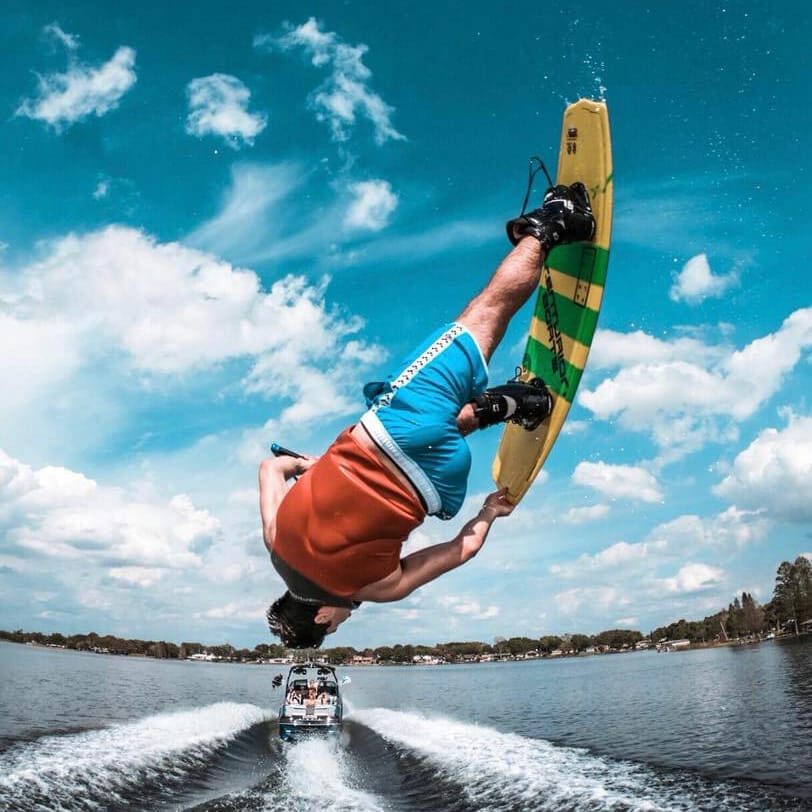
<point x="569" y="299"/>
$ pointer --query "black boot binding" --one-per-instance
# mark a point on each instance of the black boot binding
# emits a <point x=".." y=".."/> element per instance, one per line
<point x="565" y="215"/>
<point x="525" y="403"/>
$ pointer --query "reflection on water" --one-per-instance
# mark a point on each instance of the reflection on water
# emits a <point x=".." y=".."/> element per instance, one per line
<point x="713" y="729"/>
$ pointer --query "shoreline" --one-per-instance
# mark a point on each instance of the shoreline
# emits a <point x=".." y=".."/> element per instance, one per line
<point x="486" y="659"/>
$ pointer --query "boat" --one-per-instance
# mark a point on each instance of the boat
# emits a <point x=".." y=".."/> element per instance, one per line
<point x="312" y="701"/>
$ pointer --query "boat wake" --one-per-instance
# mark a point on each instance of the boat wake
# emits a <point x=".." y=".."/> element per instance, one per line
<point x="454" y="765"/>
<point x="106" y="768"/>
<point x="229" y="757"/>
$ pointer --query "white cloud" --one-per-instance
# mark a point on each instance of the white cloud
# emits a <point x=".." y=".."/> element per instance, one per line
<point x="373" y="203"/>
<point x="406" y="614"/>
<point x="54" y="30"/>
<point x="345" y="94"/>
<point x="640" y="574"/>
<point x="685" y="392"/>
<point x="693" y="578"/>
<point x="671" y="540"/>
<point x="64" y="98"/>
<point x="571" y="426"/>
<point x="732" y="528"/>
<point x="235" y="611"/>
<point x="468" y="607"/>
<point x="774" y="472"/>
<point x="601" y="598"/>
<point x="626" y="621"/>
<point x="139" y="576"/>
<point x="612" y="349"/>
<point x="588" y="513"/>
<point x="250" y="222"/>
<point x="45" y="354"/>
<point x="101" y="190"/>
<point x="58" y="513"/>
<point x="696" y="282"/>
<point x="262" y="218"/>
<point x="171" y="309"/>
<point x="218" y="105"/>
<point x="618" y="481"/>
<point x="621" y="554"/>
<point x="108" y="316"/>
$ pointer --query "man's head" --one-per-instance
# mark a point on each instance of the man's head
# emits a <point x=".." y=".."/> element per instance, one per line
<point x="299" y="624"/>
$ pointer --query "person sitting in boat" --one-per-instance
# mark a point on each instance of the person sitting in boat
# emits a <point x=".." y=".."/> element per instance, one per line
<point x="294" y="697"/>
<point x="335" y="537"/>
<point x="310" y="699"/>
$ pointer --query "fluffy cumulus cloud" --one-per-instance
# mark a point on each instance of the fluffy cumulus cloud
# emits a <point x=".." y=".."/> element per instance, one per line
<point x="650" y="576"/>
<point x="56" y="513"/>
<point x="774" y="472"/>
<point x="621" y="554"/>
<point x="731" y="529"/>
<point x="140" y="576"/>
<point x="218" y="105"/>
<point x="82" y="90"/>
<point x="685" y="391"/>
<point x="166" y="309"/>
<point x="697" y="282"/>
<point x="345" y="94"/>
<point x="468" y="607"/>
<point x="693" y="578"/>
<point x="602" y="598"/>
<point x="618" y="481"/>
<point x="126" y="558"/>
<point x="235" y="610"/>
<point x="372" y="204"/>
<point x="588" y="513"/>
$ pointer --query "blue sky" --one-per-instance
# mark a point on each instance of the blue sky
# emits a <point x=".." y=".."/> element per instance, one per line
<point x="217" y="226"/>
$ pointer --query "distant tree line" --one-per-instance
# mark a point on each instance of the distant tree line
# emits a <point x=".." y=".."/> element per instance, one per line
<point x="160" y="649"/>
<point x="450" y="652"/>
<point x="502" y="647"/>
<point x="788" y="610"/>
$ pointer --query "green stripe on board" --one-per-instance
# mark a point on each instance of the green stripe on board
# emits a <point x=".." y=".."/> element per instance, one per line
<point x="571" y="319"/>
<point x="569" y="259"/>
<point x="561" y="377"/>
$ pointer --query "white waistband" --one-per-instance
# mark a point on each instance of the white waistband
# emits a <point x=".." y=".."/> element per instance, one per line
<point x="413" y="472"/>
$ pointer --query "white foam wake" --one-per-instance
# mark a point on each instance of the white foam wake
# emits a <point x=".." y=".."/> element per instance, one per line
<point x="82" y="766"/>
<point x="507" y="771"/>
<point x="319" y="776"/>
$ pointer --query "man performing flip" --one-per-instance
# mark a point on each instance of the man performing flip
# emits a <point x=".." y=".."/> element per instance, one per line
<point x="335" y="537"/>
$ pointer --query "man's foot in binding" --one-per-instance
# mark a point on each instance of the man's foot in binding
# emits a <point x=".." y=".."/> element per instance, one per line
<point x="565" y="216"/>
<point x="524" y="403"/>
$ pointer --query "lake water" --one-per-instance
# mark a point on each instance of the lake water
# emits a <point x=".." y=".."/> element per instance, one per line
<point x="719" y="729"/>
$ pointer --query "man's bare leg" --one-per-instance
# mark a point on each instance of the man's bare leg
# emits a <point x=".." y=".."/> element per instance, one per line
<point x="489" y="313"/>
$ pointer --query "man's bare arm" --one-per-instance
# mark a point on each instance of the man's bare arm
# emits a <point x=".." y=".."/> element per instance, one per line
<point x="425" y="565"/>
<point x="274" y="474"/>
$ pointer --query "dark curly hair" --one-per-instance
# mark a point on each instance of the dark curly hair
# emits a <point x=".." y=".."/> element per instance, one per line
<point x="293" y="621"/>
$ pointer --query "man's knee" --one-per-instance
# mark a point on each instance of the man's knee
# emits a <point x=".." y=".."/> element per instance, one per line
<point x="483" y="325"/>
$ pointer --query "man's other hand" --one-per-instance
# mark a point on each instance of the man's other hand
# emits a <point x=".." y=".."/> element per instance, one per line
<point x="497" y="504"/>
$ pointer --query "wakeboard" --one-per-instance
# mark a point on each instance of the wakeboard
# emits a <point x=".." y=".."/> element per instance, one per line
<point x="569" y="299"/>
